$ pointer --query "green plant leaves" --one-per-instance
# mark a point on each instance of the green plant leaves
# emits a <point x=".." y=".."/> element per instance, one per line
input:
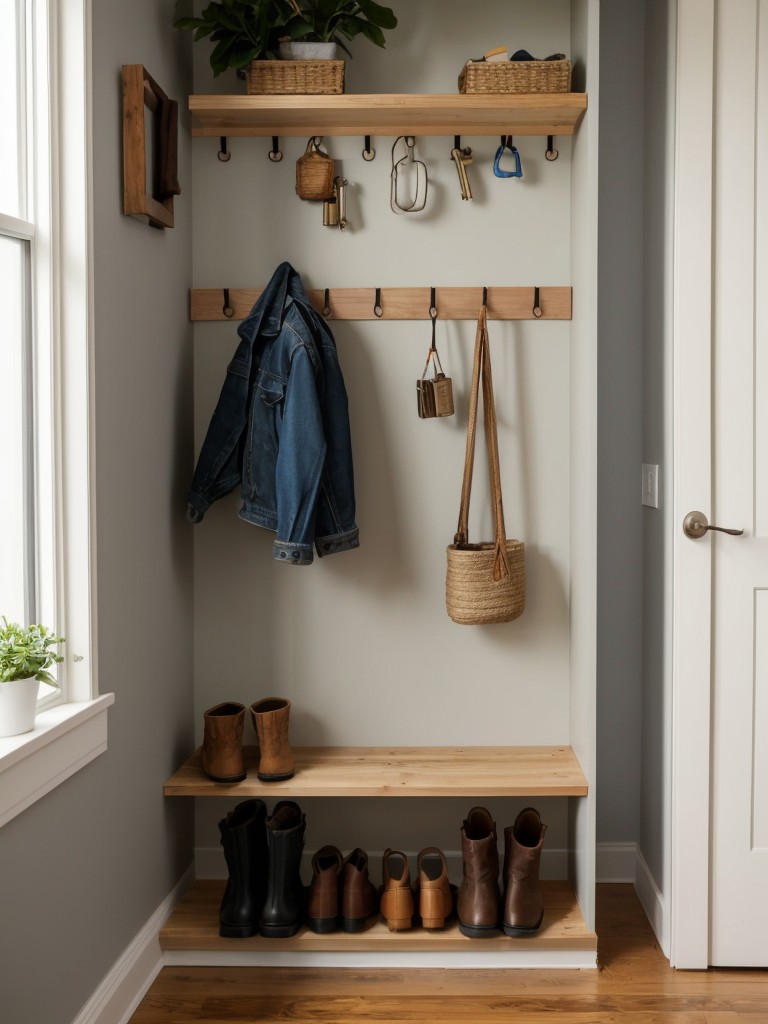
<point x="27" y="651"/>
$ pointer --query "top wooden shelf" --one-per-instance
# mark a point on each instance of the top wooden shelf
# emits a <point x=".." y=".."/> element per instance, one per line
<point x="389" y="114"/>
<point x="401" y="771"/>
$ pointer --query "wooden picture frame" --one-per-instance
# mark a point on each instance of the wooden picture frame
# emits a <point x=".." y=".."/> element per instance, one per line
<point x="149" y="148"/>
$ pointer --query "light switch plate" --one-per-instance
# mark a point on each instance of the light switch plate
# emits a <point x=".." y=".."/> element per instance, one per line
<point x="650" y="485"/>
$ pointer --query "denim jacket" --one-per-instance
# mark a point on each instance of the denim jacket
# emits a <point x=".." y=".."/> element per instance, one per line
<point x="281" y="429"/>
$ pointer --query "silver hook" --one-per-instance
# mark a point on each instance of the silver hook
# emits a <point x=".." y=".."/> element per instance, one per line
<point x="422" y="178"/>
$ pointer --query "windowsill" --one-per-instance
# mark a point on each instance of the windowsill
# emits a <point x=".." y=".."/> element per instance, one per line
<point x="65" y="739"/>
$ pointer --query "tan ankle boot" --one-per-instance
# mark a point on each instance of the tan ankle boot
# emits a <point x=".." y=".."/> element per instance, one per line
<point x="270" y="720"/>
<point x="222" y="753"/>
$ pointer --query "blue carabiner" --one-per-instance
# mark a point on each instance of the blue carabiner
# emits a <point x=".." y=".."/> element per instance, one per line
<point x="506" y="144"/>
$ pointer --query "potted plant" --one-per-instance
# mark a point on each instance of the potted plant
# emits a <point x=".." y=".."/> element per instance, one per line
<point x="26" y="654"/>
<point x="327" y="23"/>
<point x="242" y="30"/>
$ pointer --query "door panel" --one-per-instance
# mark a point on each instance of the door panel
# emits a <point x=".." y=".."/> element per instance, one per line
<point x="739" y="839"/>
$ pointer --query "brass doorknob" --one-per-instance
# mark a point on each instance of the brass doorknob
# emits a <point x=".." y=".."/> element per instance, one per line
<point x="696" y="524"/>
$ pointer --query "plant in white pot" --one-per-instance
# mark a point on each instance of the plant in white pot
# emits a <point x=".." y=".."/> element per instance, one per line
<point x="325" y="24"/>
<point x="26" y="654"/>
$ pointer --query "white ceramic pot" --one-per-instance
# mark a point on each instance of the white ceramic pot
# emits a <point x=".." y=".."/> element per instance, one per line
<point x="304" y="50"/>
<point x="18" y="704"/>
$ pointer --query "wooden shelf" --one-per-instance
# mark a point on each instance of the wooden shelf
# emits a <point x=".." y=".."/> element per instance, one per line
<point x="401" y="771"/>
<point x="388" y="114"/>
<point x="194" y="925"/>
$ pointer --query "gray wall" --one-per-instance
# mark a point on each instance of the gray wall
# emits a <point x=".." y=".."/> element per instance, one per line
<point x="620" y="326"/>
<point x="83" y="869"/>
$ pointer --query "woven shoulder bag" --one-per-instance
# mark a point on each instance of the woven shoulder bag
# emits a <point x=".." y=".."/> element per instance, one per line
<point x="485" y="583"/>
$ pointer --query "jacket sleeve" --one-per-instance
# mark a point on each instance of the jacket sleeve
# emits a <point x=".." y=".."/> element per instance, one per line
<point x="300" y="461"/>
<point x="219" y="467"/>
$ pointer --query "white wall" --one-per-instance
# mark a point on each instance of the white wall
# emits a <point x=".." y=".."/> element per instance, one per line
<point x="361" y="641"/>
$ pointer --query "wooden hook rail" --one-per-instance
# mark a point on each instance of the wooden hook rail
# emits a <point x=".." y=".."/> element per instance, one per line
<point x="547" y="303"/>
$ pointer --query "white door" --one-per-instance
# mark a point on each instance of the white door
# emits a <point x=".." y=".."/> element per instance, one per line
<point x="739" y="850"/>
<point x="720" y="673"/>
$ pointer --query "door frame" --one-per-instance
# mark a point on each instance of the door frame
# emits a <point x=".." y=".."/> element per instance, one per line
<point x="689" y="817"/>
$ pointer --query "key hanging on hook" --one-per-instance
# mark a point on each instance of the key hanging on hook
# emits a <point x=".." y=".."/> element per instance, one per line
<point x="462" y="158"/>
<point x="402" y="166"/>
<point x="507" y="146"/>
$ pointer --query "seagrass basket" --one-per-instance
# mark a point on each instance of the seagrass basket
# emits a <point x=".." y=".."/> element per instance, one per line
<point x="295" y="77"/>
<point x="473" y="596"/>
<point x="515" y="76"/>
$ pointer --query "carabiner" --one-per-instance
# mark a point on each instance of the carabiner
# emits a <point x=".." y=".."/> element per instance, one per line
<point x="506" y="144"/>
<point x="422" y="179"/>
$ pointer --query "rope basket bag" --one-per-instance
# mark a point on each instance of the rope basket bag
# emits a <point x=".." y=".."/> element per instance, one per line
<point x="485" y="583"/>
<point x="314" y="172"/>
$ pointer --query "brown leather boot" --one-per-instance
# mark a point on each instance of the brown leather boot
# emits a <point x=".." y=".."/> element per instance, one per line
<point x="479" y="897"/>
<point x="397" y="898"/>
<point x="434" y="891"/>
<point x="270" y="720"/>
<point x="358" y="896"/>
<point x="323" y="904"/>
<point x="222" y="753"/>
<point x="523" y="899"/>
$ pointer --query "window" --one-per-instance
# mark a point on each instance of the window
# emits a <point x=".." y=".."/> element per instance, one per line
<point x="46" y="560"/>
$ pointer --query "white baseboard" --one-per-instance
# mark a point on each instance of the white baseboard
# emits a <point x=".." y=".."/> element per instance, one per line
<point x="653" y="903"/>
<point x="616" y="862"/>
<point x="124" y="986"/>
<point x="209" y="863"/>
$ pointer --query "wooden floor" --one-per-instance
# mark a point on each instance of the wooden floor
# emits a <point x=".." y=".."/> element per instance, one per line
<point x="634" y="985"/>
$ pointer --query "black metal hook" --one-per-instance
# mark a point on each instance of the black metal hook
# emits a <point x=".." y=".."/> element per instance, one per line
<point x="274" y="154"/>
<point x="227" y="308"/>
<point x="551" y="153"/>
<point x="327" y="303"/>
<point x="433" y="303"/>
<point x="224" y="154"/>
<point x="377" y="310"/>
<point x="368" y="153"/>
<point x="537" y="310"/>
<point x="485" y="296"/>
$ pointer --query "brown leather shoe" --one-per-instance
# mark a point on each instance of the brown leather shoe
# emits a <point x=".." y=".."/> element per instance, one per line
<point x="358" y="895"/>
<point x="523" y="898"/>
<point x="270" y="720"/>
<point x="323" y="905"/>
<point x="222" y="753"/>
<point x="434" y="890"/>
<point x="397" y="898"/>
<point x="479" y="897"/>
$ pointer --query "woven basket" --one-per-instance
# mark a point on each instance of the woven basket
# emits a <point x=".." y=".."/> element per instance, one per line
<point x="472" y="596"/>
<point x="315" y="172"/>
<point x="515" y="76"/>
<point x="295" y="77"/>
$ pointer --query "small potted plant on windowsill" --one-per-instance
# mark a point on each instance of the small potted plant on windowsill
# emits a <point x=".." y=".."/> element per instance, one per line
<point x="26" y="654"/>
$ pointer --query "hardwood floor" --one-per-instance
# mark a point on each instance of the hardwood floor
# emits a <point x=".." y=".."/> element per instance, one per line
<point x="634" y="985"/>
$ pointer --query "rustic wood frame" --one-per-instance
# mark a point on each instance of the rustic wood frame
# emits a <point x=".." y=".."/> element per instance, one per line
<point x="140" y="92"/>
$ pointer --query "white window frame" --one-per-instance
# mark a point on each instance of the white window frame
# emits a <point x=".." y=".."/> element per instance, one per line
<point x="69" y="734"/>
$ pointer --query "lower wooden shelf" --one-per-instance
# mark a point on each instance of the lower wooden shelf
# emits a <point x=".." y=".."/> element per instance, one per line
<point x="193" y="928"/>
<point x="400" y="771"/>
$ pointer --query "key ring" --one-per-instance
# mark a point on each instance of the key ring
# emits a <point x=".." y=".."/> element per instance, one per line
<point x="506" y="144"/>
<point x="422" y="179"/>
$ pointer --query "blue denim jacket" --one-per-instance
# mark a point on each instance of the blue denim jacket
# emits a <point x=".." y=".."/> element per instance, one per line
<point x="281" y="429"/>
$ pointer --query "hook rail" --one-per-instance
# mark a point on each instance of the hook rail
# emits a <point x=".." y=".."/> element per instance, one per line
<point x="504" y="303"/>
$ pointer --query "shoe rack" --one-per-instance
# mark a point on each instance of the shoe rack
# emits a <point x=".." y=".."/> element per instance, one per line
<point x="190" y="936"/>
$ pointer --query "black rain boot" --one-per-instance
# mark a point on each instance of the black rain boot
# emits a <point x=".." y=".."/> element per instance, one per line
<point x="284" y="904"/>
<point x="243" y="837"/>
